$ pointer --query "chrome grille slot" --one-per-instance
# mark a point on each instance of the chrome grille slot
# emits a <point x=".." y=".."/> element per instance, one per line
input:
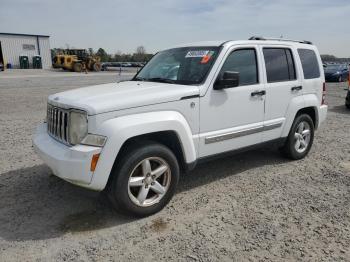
<point x="57" y="123"/>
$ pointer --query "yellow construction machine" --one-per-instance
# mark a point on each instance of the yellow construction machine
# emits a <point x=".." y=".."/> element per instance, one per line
<point x="77" y="60"/>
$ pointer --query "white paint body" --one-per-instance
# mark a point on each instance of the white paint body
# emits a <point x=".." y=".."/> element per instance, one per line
<point x="121" y="111"/>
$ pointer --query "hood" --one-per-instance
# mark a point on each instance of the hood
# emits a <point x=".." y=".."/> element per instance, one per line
<point x="117" y="96"/>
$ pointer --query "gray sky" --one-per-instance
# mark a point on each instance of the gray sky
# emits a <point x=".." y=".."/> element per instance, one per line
<point x="157" y="24"/>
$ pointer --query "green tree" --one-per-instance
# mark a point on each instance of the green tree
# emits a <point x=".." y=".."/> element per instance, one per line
<point x="102" y="54"/>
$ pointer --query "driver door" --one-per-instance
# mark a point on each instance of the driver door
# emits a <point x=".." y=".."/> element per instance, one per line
<point x="232" y="118"/>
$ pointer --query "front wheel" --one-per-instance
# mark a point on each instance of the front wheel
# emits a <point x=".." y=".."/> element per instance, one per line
<point x="96" y="67"/>
<point x="77" y="67"/>
<point x="300" y="138"/>
<point x="144" y="180"/>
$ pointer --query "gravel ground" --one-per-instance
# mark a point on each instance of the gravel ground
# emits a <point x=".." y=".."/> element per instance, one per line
<point x="252" y="206"/>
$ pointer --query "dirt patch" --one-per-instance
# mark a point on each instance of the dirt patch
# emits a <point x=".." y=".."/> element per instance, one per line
<point x="159" y="225"/>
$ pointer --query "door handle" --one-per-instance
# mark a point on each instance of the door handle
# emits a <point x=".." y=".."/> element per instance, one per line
<point x="258" y="93"/>
<point x="296" y="88"/>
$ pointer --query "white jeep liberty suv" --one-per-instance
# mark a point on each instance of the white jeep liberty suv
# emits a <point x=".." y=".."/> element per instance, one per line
<point x="188" y="103"/>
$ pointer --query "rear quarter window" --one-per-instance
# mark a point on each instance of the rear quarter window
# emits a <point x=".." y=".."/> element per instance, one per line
<point x="309" y="63"/>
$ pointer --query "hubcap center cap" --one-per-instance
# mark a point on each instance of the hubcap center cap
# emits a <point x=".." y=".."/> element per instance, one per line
<point x="148" y="180"/>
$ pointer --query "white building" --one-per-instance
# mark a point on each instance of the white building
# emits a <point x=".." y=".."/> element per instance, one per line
<point x="14" y="45"/>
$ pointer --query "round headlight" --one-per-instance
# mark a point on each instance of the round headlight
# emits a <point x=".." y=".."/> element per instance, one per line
<point x="78" y="126"/>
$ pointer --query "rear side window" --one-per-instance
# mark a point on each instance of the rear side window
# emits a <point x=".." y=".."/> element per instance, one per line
<point x="279" y="64"/>
<point x="244" y="62"/>
<point x="310" y="64"/>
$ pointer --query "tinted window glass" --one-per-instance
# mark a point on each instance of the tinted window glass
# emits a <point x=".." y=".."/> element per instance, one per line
<point x="244" y="62"/>
<point x="309" y="62"/>
<point x="291" y="68"/>
<point x="185" y="65"/>
<point x="279" y="65"/>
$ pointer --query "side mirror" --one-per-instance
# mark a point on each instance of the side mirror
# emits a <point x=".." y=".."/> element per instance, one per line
<point x="228" y="79"/>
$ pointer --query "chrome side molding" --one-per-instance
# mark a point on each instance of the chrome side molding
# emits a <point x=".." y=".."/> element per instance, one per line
<point x="246" y="132"/>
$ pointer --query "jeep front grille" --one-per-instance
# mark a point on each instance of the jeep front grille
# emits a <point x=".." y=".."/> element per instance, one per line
<point x="57" y="123"/>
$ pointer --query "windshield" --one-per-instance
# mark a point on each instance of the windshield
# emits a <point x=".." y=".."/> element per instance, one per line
<point x="185" y="65"/>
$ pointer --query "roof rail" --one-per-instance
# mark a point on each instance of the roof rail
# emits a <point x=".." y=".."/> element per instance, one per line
<point x="279" y="39"/>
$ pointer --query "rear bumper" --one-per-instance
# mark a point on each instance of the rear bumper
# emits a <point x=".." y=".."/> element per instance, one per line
<point x="322" y="114"/>
<point x="347" y="99"/>
<point x="69" y="163"/>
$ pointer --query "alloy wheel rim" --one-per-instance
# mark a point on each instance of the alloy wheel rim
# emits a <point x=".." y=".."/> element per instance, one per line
<point x="302" y="137"/>
<point x="149" y="181"/>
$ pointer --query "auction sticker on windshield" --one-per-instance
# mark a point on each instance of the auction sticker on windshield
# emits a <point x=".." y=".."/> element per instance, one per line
<point x="197" y="53"/>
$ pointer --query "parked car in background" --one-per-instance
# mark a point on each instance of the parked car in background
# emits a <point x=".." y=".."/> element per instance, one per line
<point x="347" y="99"/>
<point x="126" y="64"/>
<point x="336" y="72"/>
<point x="104" y="66"/>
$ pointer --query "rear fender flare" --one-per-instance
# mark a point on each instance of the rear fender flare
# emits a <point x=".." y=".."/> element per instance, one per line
<point x="294" y="106"/>
<point x="298" y="103"/>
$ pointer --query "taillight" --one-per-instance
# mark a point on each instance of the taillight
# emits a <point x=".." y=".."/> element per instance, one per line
<point x="324" y="94"/>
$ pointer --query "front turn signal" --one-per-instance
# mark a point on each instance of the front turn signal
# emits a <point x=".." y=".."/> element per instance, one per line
<point x="94" y="161"/>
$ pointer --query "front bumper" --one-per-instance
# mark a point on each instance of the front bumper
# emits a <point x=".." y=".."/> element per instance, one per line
<point x="69" y="163"/>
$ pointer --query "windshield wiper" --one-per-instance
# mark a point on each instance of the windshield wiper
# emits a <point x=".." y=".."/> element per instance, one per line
<point x="139" y="79"/>
<point x="161" y="80"/>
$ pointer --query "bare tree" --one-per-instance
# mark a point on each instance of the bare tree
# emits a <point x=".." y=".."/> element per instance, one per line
<point x="141" y="50"/>
<point x="140" y="54"/>
<point x="91" y="51"/>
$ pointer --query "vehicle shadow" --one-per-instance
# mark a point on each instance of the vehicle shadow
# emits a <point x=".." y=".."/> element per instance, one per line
<point x="341" y="109"/>
<point x="230" y="165"/>
<point x="35" y="205"/>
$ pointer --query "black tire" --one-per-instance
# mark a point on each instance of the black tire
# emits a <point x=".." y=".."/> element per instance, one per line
<point x="118" y="190"/>
<point x="347" y="106"/>
<point x="289" y="149"/>
<point x="77" y="67"/>
<point x="96" y="67"/>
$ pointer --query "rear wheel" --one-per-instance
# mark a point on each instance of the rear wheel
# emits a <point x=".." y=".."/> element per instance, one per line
<point x="144" y="180"/>
<point x="96" y="67"/>
<point x="300" y="138"/>
<point x="77" y="67"/>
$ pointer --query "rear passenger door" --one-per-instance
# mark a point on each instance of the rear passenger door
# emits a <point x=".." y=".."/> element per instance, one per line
<point x="282" y="84"/>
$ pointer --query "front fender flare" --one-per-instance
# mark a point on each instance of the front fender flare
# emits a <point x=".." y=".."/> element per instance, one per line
<point x="120" y="129"/>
